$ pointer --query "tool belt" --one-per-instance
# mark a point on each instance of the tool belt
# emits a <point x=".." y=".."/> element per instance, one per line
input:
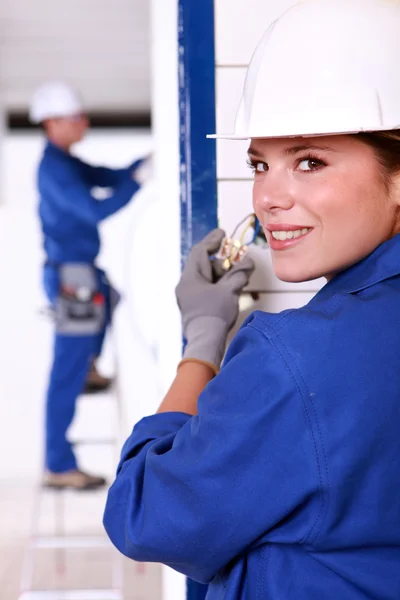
<point x="80" y="308"/>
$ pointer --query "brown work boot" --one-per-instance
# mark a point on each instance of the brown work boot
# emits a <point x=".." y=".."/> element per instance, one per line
<point x="96" y="382"/>
<point x="74" y="479"/>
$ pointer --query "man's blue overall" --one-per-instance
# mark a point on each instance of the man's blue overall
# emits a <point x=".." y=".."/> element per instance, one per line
<point x="70" y="216"/>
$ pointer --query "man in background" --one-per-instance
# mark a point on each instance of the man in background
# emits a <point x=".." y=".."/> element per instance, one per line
<point x="77" y="289"/>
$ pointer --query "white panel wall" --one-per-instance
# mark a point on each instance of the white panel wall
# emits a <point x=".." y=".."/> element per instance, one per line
<point x="238" y="29"/>
<point x="101" y="47"/>
<point x="165" y="119"/>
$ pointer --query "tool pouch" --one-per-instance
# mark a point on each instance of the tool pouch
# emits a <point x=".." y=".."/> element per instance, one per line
<point x="80" y="307"/>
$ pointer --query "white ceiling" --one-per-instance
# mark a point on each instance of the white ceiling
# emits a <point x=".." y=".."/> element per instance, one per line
<point x="100" y="46"/>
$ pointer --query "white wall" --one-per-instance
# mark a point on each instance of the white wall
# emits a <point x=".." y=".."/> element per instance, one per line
<point x="164" y="20"/>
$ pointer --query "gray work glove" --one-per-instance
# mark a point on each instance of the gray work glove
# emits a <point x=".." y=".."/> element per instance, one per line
<point x="209" y="310"/>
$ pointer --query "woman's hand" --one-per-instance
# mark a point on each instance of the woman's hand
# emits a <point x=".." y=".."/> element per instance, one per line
<point x="209" y="309"/>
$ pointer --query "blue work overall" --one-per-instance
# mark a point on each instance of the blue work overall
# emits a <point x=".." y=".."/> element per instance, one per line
<point x="286" y="484"/>
<point x="69" y="216"/>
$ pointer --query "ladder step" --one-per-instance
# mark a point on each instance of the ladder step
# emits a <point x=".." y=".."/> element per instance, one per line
<point x="95" y="442"/>
<point x="72" y="595"/>
<point x="93" y="541"/>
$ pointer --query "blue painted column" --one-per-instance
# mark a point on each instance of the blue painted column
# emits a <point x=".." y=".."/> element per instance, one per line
<point x="197" y="154"/>
<point x="197" y="119"/>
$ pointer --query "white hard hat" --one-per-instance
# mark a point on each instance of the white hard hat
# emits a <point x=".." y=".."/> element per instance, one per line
<point x="54" y="99"/>
<point x="324" y="67"/>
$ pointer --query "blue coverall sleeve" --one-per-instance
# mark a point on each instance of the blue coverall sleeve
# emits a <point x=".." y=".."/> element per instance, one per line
<point x="74" y="197"/>
<point x="196" y="492"/>
<point x="105" y="177"/>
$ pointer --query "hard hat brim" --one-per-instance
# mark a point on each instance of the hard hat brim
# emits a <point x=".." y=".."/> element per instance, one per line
<point x="234" y="136"/>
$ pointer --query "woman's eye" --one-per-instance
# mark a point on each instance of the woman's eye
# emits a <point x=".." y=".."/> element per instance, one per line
<point x="257" y="167"/>
<point x="310" y="164"/>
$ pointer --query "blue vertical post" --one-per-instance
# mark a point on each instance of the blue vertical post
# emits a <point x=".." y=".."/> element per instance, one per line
<point x="198" y="179"/>
<point x="197" y="119"/>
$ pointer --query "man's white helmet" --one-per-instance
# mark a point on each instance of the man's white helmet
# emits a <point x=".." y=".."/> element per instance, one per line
<point x="324" y="67"/>
<point x="54" y="99"/>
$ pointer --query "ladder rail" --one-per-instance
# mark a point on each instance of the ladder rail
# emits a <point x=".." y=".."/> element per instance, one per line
<point x="60" y="541"/>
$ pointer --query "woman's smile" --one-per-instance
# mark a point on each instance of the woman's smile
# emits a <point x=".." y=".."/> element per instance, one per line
<point x="283" y="235"/>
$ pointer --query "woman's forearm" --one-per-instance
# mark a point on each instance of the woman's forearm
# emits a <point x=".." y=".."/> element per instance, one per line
<point x="190" y="381"/>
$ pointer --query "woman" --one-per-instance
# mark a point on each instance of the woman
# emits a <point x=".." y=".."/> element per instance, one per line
<point x="279" y="478"/>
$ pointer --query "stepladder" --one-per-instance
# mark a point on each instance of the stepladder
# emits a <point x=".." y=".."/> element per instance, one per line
<point x="68" y="555"/>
